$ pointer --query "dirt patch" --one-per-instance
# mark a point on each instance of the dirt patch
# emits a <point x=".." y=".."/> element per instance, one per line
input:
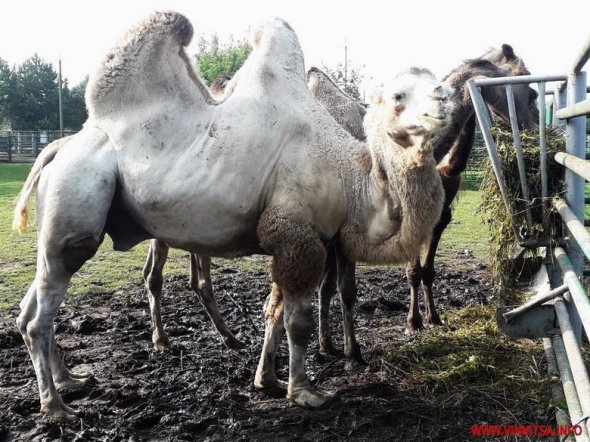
<point x="198" y="390"/>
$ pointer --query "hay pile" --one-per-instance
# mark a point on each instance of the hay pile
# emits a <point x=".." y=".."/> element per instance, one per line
<point x="503" y="245"/>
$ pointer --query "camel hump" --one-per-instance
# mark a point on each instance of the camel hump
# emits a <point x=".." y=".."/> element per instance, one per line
<point x="154" y="41"/>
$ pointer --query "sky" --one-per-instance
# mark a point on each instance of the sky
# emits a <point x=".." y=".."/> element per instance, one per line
<point x="383" y="37"/>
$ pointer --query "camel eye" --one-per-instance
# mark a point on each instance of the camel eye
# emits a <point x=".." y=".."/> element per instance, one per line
<point x="399" y="96"/>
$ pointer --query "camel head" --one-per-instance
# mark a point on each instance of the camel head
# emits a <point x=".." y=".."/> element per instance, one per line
<point x="525" y="97"/>
<point x="414" y="104"/>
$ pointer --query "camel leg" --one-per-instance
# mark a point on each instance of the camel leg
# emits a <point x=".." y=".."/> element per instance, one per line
<point x="152" y="276"/>
<point x="266" y="377"/>
<point x="414" y="276"/>
<point x="428" y="273"/>
<point x="297" y="265"/>
<point x="326" y="292"/>
<point x="71" y="229"/>
<point x="348" y="294"/>
<point x="201" y="285"/>
<point x="35" y="322"/>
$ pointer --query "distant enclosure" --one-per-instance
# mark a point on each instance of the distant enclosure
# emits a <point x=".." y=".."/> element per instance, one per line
<point x="20" y="146"/>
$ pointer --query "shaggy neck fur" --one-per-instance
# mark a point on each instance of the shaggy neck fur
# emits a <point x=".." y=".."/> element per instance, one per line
<point x="402" y="197"/>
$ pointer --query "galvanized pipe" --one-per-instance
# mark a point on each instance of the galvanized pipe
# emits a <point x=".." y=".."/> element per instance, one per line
<point x="574" y="356"/>
<point x="543" y="156"/>
<point x="576" y="146"/>
<point x="558" y="103"/>
<point x="569" y="387"/>
<point x="481" y="113"/>
<point x="578" y="165"/>
<point x="576" y="110"/>
<point x="583" y="57"/>
<point x="538" y="300"/>
<point x="574" y="225"/>
<point x="576" y="289"/>
<point x="520" y="79"/>
<point x="519" y="155"/>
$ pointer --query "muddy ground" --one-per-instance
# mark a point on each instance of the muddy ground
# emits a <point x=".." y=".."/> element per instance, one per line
<point x="200" y="391"/>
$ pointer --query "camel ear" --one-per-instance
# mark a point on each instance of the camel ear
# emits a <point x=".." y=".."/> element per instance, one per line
<point x="508" y="52"/>
<point x="376" y="96"/>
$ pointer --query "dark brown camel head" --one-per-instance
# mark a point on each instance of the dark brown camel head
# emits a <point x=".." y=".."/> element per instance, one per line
<point x="524" y="96"/>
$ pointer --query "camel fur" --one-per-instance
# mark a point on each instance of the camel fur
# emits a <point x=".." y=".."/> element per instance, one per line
<point x="268" y="170"/>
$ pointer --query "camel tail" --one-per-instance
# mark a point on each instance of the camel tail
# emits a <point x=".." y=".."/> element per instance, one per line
<point x="20" y="221"/>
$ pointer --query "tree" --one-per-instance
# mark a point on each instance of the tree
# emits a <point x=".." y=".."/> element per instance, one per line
<point x="6" y="80"/>
<point x="349" y="83"/>
<point x="74" y="105"/>
<point x="214" y="60"/>
<point x="33" y="101"/>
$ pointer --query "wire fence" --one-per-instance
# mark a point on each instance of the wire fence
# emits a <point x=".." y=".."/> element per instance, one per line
<point x="19" y="146"/>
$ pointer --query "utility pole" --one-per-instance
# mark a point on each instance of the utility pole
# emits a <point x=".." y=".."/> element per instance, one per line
<point x="345" y="61"/>
<point x="61" y="117"/>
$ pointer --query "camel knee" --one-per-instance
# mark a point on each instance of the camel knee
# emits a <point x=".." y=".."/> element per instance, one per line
<point x="414" y="273"/>
<point x="154" y="282"/>
<point x="299" y="321"/>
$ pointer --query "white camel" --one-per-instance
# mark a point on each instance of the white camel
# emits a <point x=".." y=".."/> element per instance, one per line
<point x="266" y="171"/>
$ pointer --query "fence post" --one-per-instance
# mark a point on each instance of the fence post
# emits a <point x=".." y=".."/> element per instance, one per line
<point x="575" y="145"/>
<point x="9" y="147"/>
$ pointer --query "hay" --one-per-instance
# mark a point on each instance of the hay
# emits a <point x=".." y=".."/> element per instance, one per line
<point x="471" y="366"/>
<point x="503" y="245"/>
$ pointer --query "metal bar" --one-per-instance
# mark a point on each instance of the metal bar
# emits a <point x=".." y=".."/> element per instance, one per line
<point x="576" y="146"/>
<point x="543" y="156"/>
<point x="557" y="389"/>
<point x="574" y="356"/>
<point x="519" y="155"/>
<point x="576" y="289"/>
<point x="481" y="112"/>
<point x="577" y="110"/>
<point x="558" y="103"/>
<point x="569" y="387"/>
<point x="501" y="81"/>
<point x="575" y="226"/>
<point x="583" y="57"/>
<point x="538" y="300"/>
<point x="578" y="165"/>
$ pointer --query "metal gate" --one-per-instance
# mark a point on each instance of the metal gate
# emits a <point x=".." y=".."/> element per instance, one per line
<point x="560" y="310"/>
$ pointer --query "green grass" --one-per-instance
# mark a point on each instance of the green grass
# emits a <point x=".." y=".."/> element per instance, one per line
<point x="111" y="271"/>
<point x="466" y="233"/>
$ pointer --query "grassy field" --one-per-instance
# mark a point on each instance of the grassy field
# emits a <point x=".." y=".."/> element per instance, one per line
<point x="110" y="271"/>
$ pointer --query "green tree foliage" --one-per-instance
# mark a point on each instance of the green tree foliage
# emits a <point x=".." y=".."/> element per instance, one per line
<point x="29" y="97"/>
<point x="5" y="87"/>
<point x="214" y="60"/>
<point x="349" y="83"/>
<point x="74" y="106"/>
<point x="33" y="101"/>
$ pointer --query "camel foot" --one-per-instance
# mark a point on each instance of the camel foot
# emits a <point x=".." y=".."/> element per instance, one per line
<point x="433" y="321"/>
<point x="356" y="363"/>
<point x="160" y="341"/>
<point x="414" y="326"/>
<point x="270" y="386"/>
<point x="59" y="412"/>
<point x="72" y="383"/>
<point x="232" y="343"/>
<point x="311" y="397"/>
<point x="70" y="380"/>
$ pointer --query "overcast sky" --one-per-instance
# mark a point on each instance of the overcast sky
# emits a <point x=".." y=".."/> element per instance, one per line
<point x="385" y="39"/>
